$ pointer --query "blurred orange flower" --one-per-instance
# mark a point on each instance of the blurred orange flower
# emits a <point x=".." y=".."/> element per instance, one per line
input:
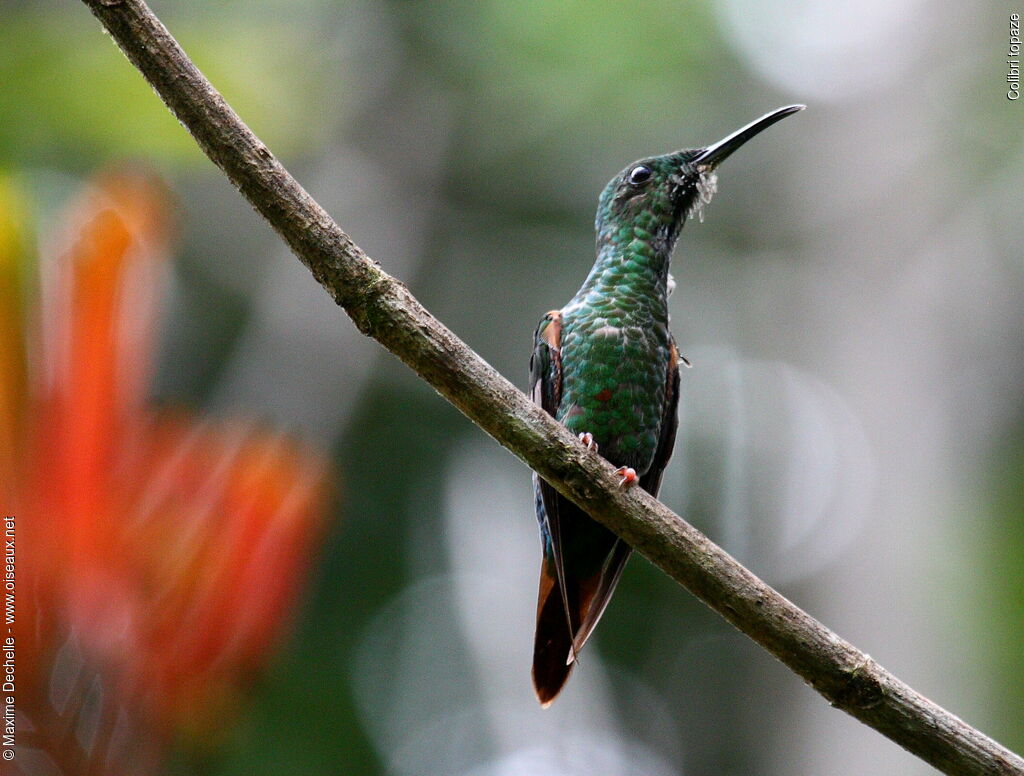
<point x="159" y="555"/>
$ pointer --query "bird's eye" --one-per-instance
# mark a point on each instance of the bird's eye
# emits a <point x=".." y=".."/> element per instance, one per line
<point x="639" y="175"/>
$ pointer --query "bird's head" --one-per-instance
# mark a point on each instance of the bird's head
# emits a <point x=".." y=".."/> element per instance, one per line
<point x="654" y="196"/>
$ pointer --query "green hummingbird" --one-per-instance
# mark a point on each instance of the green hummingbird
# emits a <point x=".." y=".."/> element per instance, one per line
<point x="607" y="367"/>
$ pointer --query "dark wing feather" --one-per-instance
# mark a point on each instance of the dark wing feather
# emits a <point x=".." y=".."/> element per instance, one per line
<point x="651" y="480"/>
<point x="546" y="389"/>
<point x="553" y="640"/>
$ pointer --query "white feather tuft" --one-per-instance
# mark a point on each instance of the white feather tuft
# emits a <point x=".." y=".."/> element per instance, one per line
<point x="707" y="185"/>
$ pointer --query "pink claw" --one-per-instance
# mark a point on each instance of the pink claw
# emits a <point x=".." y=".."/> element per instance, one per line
<point x="588" y="441"/>
<point x="629" y="478"/>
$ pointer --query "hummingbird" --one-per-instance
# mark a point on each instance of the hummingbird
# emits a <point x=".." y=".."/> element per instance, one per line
<point x="607" y="367"/>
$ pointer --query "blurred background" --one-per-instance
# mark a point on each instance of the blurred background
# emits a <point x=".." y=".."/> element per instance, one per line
<point x="852" y="428"/>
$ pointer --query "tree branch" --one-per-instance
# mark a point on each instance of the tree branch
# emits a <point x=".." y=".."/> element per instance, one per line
<point x="383" y="308"/>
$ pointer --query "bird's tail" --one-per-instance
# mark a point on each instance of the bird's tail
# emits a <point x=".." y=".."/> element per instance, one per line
<point x="560" y="634"/>
<point x="552" y="645"/>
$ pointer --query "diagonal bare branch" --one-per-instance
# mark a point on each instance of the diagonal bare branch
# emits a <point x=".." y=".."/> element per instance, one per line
<point x="383" y="308"/>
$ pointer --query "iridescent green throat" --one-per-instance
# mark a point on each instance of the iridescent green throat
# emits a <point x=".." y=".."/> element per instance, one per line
<point x="631" y="271"/>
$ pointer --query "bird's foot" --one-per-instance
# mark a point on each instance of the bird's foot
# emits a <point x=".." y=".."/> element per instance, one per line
<point x="588" y="441"/>
<point x="628" y="475"/>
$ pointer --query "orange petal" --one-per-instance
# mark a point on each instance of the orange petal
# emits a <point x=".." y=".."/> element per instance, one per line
<point x="99" y="306"/>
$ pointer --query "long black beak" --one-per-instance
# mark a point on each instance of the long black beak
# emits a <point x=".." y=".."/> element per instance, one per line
<point x="713" y="155"/>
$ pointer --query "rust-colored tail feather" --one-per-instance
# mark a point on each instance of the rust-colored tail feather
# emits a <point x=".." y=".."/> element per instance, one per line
<point x="552" y="643"/>
<point x="561" y="636"/>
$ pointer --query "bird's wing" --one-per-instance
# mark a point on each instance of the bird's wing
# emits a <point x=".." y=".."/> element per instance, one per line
<point x="546" y="362"/>
<point x="651" y="480"/>
<point x="553" y="641"/>
<point x="546" y="389"/>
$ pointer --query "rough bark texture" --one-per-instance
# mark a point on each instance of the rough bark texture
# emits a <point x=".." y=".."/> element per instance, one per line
<point x="383" y="308"/>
